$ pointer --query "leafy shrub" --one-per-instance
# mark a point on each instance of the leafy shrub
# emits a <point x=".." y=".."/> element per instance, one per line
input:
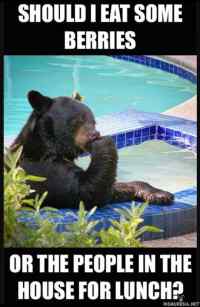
<point x="127" y="231"/>
<point x="16" y="194"/>
<point x="42" y="233"/>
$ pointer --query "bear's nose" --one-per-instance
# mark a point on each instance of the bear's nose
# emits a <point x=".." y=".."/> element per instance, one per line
<point x="95" y="135"/>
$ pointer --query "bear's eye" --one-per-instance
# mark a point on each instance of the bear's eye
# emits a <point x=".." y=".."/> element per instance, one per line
<point x="77" y="122"/>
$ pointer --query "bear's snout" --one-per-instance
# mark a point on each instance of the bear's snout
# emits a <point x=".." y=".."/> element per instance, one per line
<point x="86" y="135"/>
<point x="94" y="135"/>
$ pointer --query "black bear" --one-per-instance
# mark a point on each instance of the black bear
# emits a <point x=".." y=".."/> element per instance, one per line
<point x="58" y="131"/>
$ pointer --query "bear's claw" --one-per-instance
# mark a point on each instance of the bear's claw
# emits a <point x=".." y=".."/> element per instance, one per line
<point x="159" y="197"/>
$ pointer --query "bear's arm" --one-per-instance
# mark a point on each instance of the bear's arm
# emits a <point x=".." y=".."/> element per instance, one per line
<point x="97" y="181"/>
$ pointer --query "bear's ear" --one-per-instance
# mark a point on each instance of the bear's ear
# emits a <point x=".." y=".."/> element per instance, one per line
<point x="39" y="103"/>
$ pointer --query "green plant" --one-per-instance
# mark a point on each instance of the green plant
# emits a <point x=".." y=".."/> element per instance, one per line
<point x="78" y="234"/>
<point x="81" y="233"/>
<point x="127" y="232"/>
<point x="16" y="190"/>
<point x="41" y="232"/>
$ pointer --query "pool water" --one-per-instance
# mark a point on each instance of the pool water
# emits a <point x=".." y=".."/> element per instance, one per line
<point x="109" y="85"/>
<point x="156" y="162"/>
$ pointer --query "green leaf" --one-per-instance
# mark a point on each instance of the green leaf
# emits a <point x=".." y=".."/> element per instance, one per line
<point x="144" y="229"/>
<point x="35" y="178"/>
<point x="91" y="212"/>
<point x="49" y="209"/>
<point x="141" y="208"/>
<point x="29" y="202"/>
<point x="124" y="212"/>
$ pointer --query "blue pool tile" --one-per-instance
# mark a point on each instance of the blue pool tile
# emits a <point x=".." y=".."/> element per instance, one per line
<point x="177" y="133"/>
<point x="178" y="71"/>
<point x="145" y="132"/>
<point x="130" y="58"/>
<point x="135" y="59"/>
<point x="186" y="75"/>
<point x="121" y="139"/>
<point x="192" y="140"/>
<point x="160" y="137"/>
<point x="175" y="69"/>
<point x="153" y="62"/>
<point x="153" y="130"/>
<point x="142" y="59"/>
<point x="137" y="141"/>
<point x="165" y="66"/>
<point x="148" y="61"/>
<point x="129" y="134"/>
<point x="129" y="138"/>
<point x="129" y="142"/>
<point x="152" y="136"/>
<point x="171" y="68"/>
<point x="182" y="72"/>
<point x="167" y="138"/>
<point x="169" y="132"/>
<point x="157" y="64"/>
<point x="161" y="130"/>
<point x="137" y="133"/>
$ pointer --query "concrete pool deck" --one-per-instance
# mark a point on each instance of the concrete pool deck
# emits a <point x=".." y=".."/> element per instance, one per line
<point x="188" y="240"/>
<point x="186" y="110"/>
<point x="188" y="61"/>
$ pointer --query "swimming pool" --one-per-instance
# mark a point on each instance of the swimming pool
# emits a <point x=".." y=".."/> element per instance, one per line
<point x="156" y="162"/>
<point x="109" y="85"/>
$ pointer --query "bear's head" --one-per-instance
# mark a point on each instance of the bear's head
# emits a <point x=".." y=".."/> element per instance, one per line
<point x="61" y="127"/>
